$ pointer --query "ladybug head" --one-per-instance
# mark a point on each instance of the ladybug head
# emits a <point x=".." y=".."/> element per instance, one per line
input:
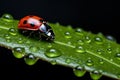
<point x="47" y="31"/>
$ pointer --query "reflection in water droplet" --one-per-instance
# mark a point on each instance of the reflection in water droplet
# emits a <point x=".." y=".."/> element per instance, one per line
<point x="33" y="49"/>
<point x="30" y="59"/>
<point x="53" y="53"/>
<point x="79" y="31"/>
<point x="87" y="39"/>
<point x="79" y="71"/>
<point x="95" y="75"/>
<point x="67" y="35"/>
<point x="12" y="31"/>
<point x="89" y="62"/>
<point x="80" y="42"/>
<point x="98" y="40"/>
<point x="80" y="49"/>
<point x="18" y="52"/>
<point x="118" y="56"/>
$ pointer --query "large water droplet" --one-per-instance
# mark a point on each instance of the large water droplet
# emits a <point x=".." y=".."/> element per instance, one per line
<point x="95" y="75"/>
<point x="79" y="71"/>
<point x="89" y="62"/>
<point x="111" y="38"/>
<point x="98" y="40"/>
<point x="67" y="35"/>
<point x="53" y="53"/>
<point x="79" y="31"/>
<point x="18" y="52"/>
<point x="30" y="59"/>
<point x="7" y="17"/>
<point x="12" y="31"/>
<point x="33" y="49"/>
<point x="80" y="49"/>
<point x="118" y="56"/>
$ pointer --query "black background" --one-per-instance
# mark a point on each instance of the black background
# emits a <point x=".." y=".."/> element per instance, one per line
<point x="91" y="15"/>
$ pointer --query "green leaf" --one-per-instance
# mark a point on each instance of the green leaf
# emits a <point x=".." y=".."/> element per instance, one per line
<point x="81" y="50"/>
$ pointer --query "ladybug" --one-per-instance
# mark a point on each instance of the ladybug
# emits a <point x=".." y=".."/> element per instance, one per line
<point x="36" y="25"/>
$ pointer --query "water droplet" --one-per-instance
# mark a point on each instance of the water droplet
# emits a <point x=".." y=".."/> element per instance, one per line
<point x="118" y="56"/>
<point x="111" y="38"/>
<point x="99" y="51"/>
<point x="89" y="62"/>
<point x="101" y="61"/>
<point x="79" y="71"/>
<point x="49" y="45"/>
<point x="67" y="35"/>
<point x="53" y="53"/>
<point x="68" y="60"/>
<point x="109" y="50"/>
<point x="7" y="17"/>
<point x="53" y="62"/>
<point x="87" y="39"/>
<point x="12" y="31"/>
<point x="20" y="40"/>
<point x="80" y="42"/>
<point x="79" y="31"/>
<point x="98" y="40"/>
<point x="18" y="52"/>
<point x="30" y="59"/>
<point x="7" y="36"/>
<point x="33" y="49"/>
<point x="95" y="75"/>
<point x="80" y="49"/>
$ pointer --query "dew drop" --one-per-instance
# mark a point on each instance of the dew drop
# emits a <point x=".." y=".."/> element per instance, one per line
<point x="80" y="42"/>
<point x="111" y="38"/>
<point x="53" y="53"/>
<point x="30" y="59"/>
<point x="89" y="62"/>
<point x="67" y="35"/>
<point x="12" y="31"/>
<point x="95" y="75"/>
<point x="79" y="71"/>
<point x="118" y="56"/>
<point x="20" y="40"/>
<point x="79" y="31"/>
<point x="109" y="50"/>
<point x="87" y="39"/>
<point x="68" y="60"/>
<point x="99" y="51"/>
<point x="18" y="52"/>
<point x="33" y="49"/>
<point x="7" y="17"/>
<point x="7" y="36"/>
<point x="98" y="40"/>
<point x="80" y="49"/>
<point x="101" y="61"/>
<point x="53" y="62"/>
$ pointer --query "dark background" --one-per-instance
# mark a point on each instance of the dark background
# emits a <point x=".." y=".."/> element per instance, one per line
<point x="91" y="15"/>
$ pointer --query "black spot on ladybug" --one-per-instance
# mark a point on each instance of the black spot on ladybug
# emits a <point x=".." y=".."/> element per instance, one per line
<point x="32" y="25"/>
<point x="41" y="20"/>
<point x="25" y="22"/>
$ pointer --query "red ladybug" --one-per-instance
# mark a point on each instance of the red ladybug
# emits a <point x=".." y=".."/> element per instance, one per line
<point x="36" y="25"/>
